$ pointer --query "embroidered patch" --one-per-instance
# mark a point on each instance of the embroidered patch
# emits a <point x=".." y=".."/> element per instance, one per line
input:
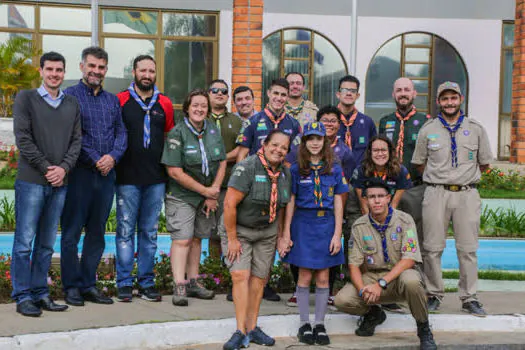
<point x="367" y="238"/>
<point x="330" y="191"/>
<point x="370" y="260"/>
<point x="212" y="131"/>
<point x="361" y="139"/>
<point x="432" y="137"/>
<point x="416" y="122"/>
<point x="414" y="137"/>
<point x="190" y="151"/>
<point x="320" y="213"/>
<point x="337" y="149"/>
<point x="466" y="132"/>
<point x="399" y="229"/>
<point x="288" y="131"/>
<point x="217" y="151"/>
<point x="390" y="135"/>
<point x="229" y="126"/>
<point x="174" y="141"/>
<point x="410" y="246"/>
<point x="305" y="181"/>
<point x="470" y="155"/>
<point x="240" y="138"/>
<point x="411" y="233"/>
<point x="362" y="121"/>
<point x="263" y="213"/>
<point x="262" y="126"/>
<point x="393" y="237"/>
<point x="344" y="180"/>
<point x="285" y="194"/>
<point x="260" y="178"/>
<point x="390" y="124"/>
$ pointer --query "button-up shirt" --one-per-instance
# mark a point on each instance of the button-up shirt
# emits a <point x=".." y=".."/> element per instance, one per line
<point x="103" y="131"/>
<point x="53" y="102"/>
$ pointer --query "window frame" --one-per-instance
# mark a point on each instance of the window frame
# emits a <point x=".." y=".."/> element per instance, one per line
<point x="501" y="114"/>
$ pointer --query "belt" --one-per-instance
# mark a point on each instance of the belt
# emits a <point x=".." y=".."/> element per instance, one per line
<point x="454" y="188"/>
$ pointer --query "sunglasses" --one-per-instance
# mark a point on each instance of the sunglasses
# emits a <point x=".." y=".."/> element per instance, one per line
<point x="223" y="91"/>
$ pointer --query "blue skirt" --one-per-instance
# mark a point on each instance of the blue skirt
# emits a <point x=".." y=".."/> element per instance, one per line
<point x="311" y="232"/>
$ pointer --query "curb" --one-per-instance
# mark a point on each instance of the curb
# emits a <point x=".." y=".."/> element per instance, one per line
<point x="171" y="334"/>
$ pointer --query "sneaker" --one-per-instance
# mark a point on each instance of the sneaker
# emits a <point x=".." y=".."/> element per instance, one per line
<point x="270" y="295"/>
<point x="305" y="334"/>
<point x="125" y="294"/>
<point x="292" y="301"/>
<point x="195" y="289"/>
<point x="367" y="323"/>
<point x="433" y="304"/>
<point x="393" y="308"/>
<point x="150" y="294"/>
<point x="474" y="308"/>
<point x="426" y="339"/>
<point x="180" y="295"/>
<point x="229" y="296"/>
<point x="238" y="340"/>
<point x="321" y="338"/>
<point x="257" y="336"/>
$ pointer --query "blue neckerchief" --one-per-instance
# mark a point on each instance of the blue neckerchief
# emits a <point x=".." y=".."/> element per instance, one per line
<point x="382" y="229"/>
<point x="452" y="131"/>
<point x="133" y="93"/>
<point x="200" y="136"/>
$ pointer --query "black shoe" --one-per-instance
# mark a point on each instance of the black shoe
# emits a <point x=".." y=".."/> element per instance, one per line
<point x="150" y="294"/>
<point x="433" y="304"/>
<point x="305" y="334"/>
<point x="367" y="323"/>
<point x="426" y="338"/>
<point x="48" y="304"/>
<point x="125" y="294"/>
<point x="229" y="296"/>
<point x="320" y="335"/>
<point x="238" y="340"/>
<point x="474" y="308"/>
<point x="73" y="297"/>
<point x="95" y="296"/>
<point x="270" y="295"/>
<point x="28" y="308"/>
<point x="393" y="308"/>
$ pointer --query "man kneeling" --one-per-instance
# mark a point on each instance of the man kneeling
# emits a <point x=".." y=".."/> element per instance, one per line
<point x="382" y="257"/>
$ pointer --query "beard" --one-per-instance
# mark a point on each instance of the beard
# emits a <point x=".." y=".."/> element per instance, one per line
<point x="144" y="87"/>
<point x="404" y="106"/>
<point x="450" y="115"/>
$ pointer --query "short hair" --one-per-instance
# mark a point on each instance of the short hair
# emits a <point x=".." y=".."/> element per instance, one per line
<point x="282" y="82"/>
<point x="351" y="79"/>
<point x="328" y="110"/>
<point x="53" y="57"/>
<point x="142" y="58"/>
<point x="274" y="132"/>
<point x="187" y="101"/>
<point x="242" y="88"/>
<point x="296" y="73"/>
<point x="96" y="52"/>
<point x="219" y="81"/>
<point x="376" y="183"/>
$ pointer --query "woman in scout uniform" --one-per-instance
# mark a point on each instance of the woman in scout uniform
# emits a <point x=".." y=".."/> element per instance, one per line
<point x="380" y="162"/>
<point x="314" y="219"/>
<point x="196" y="161"/>
<point x="258" y="191"/>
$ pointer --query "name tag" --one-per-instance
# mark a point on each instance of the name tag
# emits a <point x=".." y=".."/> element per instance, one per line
<point x="260" y="178"/>
<point x="190" y="151"/>
<point x="305" y="181"/>
<point x="361" y="140"/>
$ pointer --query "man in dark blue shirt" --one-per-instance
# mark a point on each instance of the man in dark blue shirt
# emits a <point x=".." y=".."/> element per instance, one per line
<point x="92" y="182"/>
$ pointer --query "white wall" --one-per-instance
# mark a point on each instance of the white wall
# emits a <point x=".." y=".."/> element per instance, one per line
<point x="225" y="45"/>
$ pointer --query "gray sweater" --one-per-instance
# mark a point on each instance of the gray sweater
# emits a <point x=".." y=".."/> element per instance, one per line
<point x="45" y="135"/>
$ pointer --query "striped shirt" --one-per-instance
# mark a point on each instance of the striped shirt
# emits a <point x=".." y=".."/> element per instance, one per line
<point x="103" y="131"/>
<point x="53" y="102"/>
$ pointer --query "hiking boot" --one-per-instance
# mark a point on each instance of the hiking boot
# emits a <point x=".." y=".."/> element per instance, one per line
<point x="180" y="295"/>
<point x="292" y="301"/>
<point x="125" y="294"/>
<point x="270" y="295"/>
<point x="195" y="289"/>
<point x="393" y="308"/>
<point x="257" y="336"/>
<point x="321" y="338"/>
<point x="150" y="294"/>
<point x="305" y="334"/>
<point x="426" y="339"/>
<point x="474" y="308"/>
<point x="238" y="340"/>
<point x="368" y="322"/>
<point x="433" y="304"/>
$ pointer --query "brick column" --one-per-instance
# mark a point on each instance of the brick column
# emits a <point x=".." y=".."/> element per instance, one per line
<point x="247" y="46"/>
<point x="517" y="145"/>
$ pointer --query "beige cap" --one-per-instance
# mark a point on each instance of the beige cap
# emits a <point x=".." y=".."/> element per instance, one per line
<point x="448" y="85"/>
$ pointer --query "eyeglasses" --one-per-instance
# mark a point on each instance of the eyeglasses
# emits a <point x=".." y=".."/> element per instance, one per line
<point x="376" y="196"/>
<point x="329" y="121"/>
<point x="346" y="90"/>
<point x="379" y="150"/>
<point x="215" y="90"/>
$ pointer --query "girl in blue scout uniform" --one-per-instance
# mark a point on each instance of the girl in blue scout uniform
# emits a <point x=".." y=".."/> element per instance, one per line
<point x="313" y="226"/>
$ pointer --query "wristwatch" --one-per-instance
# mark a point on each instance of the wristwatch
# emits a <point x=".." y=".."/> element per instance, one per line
<point x="382" y="283"/>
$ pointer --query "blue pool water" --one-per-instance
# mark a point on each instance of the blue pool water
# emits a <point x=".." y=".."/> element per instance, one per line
<point x="492" y="254"/>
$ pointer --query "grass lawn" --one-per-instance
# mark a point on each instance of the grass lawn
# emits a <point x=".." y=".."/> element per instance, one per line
<point x="489" y="275"/>
<point x="7" y="183"/>
<point x="499" y="193"/>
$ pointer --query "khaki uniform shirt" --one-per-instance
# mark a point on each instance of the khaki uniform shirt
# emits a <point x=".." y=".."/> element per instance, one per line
<point x="250" y="177"/>
<point x="367" y="248"/>
<point x="434" y="148"/>
<point x="305" y="114"/>
<point x="182" y="150"/>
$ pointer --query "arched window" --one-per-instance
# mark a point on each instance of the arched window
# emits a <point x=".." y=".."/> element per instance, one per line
<point x="427" y="59"/>
<point x="308" y="52"/>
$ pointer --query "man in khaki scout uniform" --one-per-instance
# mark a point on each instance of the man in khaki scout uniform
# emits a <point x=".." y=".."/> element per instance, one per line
<point x="452" y="150"/>
<point x="230" y="125"/>
<point x="382" y="259"/>
<point x="303" y="110"/>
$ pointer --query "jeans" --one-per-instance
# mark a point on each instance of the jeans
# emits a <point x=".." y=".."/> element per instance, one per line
<point x="37" y="211"/>
<point x="137" y="206"/>
<point x="88" y="203"/>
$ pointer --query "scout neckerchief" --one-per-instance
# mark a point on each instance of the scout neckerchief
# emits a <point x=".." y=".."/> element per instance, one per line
<point x="294" y="111"/>
<point x="217" y="118"/>
<point x="381" y="229"/>
<point x="147" y="109"/>
<point x="272" y="118"/>
<point x="380" y="174"/>
<point x="348" y="123"/>
<point x="318" y="194"/>
<point x="401" y="139"/>
<point x="274" y="177"/>
<point x="334" y="143"/>
<point x="452" y="131"/>
<point x="200" y="136"/>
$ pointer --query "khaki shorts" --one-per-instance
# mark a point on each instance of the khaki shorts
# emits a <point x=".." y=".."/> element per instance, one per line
<point x="183" y="221"/>
<point x="258" y="250"/>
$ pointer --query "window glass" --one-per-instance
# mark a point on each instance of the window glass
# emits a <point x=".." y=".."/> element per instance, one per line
<point x="417" y="39"/>
<point x="296" y="50"/>
<point x="297" y="34"/>
<point x="129" y="22"/>
<point x="17" y="16"/>
<point x="508" y="34"/>
<point x="71" y="19"/>
<point x="506" y="104"/>
<point x="417" y="54"/>
<point x="271" y="53"/>
<point x="504" y="136"/>
<point x="181" y="24"/>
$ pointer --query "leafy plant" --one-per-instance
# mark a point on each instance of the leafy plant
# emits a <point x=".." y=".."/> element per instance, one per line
<point x="7" y="214"/>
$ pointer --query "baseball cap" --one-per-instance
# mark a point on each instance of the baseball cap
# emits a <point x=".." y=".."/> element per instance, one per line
<point x="314" y="128"/>
<point x="448" y="85"/>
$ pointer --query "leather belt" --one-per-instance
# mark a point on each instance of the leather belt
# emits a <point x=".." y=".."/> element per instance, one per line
<point x="454" y="188"/>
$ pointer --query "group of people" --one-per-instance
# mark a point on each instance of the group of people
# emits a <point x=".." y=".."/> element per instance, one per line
<point x="320" y="186"/>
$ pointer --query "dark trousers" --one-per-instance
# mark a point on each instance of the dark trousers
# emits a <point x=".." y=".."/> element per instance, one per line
<point x="88" y="204"/>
